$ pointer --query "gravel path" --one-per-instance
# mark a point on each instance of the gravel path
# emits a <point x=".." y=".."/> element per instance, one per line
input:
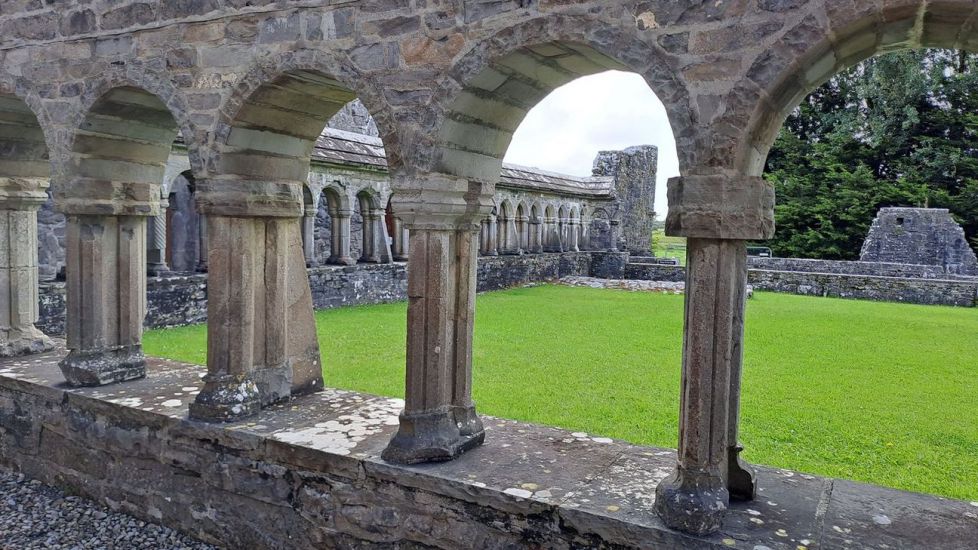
<point x="33" y="515"/>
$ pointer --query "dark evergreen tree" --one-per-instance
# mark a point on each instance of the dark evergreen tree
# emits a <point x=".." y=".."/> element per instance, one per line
<point x="897" y="130"/>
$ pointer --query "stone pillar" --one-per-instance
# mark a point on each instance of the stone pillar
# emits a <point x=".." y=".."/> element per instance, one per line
<point x="202" y="244"/>
<point x="369" y="253"/>
<point x="401" y="236"/>
<point x="20" y="199"/>
<point x="511" y="241"/>
<point x="614" y="233"/>
<point x="156" y="242"/>
<point x="493" y="248"/>
<point x="261" y="339"/>
<point x="339" y="249"/>
<point x="536" y="240"/>
<point x="309" y="237"/>
<point x="106" y="295"/>
<point x="381" y="240"/>
<point x="523" y="225"/>
<point x="572" y="229"/>
<point x="717" y="214"/>
<point x="439" y="421"/>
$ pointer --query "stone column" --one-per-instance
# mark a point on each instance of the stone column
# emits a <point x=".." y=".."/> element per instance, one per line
<point x="511" y="242"/>
<point x="401" y="237"/>
<point x="614" y="233"/>
<point x="381" y="240"/>
<point x="717" y="214"/>
<point x="20" y="199"/>
<point x="106" y="285"/>
<point x="368" y="254"/>
<point x="493" y="249"/>
<point x="572" y="229"/>
<point x="261" y="339"/>
<point x="523" y="224"/>
<point x="309" y="237"/>
<point x="339" y="249"/>
<point x="202" y="244"/>
<point x="156" y="242"/>
<point x="536" y="242"/>
<point x="439" y="421"/>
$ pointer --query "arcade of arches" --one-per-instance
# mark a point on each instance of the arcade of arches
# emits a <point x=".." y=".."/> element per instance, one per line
<point x="94" y="95"/>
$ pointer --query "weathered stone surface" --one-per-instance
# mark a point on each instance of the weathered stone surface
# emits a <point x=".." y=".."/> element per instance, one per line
<point x="634" y="171"/>
<point x="921" y="236"/>
<point x="266" y="77"/>
<point x="844" y="283"/>
<point x="309" y="473"/>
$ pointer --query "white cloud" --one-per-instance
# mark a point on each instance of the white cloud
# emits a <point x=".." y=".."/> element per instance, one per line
<point x="606" y="111"/>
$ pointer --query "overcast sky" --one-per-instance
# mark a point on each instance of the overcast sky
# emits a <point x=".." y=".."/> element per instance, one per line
<point x="606" y="111"/>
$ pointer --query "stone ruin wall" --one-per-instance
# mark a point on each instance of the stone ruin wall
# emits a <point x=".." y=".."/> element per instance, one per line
<point x="922" y="236"/>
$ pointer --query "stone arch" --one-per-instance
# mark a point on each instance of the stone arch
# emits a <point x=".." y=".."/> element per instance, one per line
<point x="25" y="170"/>
<point x="373" y="227"/>
<point x="116" y="164"/>
<point x="269" y="125"/>
<point x="506" y="228"/>
<point x="494" y="84"/>
<point x="158" y="86"/>
<point x="830" y="40"/>
<point x="522" y="226"/>
<point x="332" y="229"/>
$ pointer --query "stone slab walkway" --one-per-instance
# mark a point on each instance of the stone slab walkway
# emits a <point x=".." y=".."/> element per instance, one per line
<point x="625" y="284"/>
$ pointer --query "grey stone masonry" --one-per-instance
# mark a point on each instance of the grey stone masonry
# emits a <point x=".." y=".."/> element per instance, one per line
<point x="308" y="474"/>
<point x="927" y="236"/>
<point x="94" y="94"/>
<point x="633" y="170"/>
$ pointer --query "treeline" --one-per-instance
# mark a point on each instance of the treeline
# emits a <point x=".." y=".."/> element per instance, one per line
<point x="899" y="129"/>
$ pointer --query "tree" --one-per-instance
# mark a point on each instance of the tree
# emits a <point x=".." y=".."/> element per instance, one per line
<point x="900" y="129"/>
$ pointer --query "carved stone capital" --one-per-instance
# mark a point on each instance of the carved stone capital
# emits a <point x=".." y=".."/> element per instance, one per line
<point x="249" y="199"/>
<point x="22" y="193"/>
<point x="436" y="201"/>
<point x="720" y="207"/>
<point x="94" y="197"/>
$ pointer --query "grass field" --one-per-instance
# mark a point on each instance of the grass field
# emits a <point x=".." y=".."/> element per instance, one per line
<point x="664" y="246"/>
<point x="883" y="393"/>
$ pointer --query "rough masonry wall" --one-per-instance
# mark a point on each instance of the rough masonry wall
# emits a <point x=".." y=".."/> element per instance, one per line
<point x="928" y="236"/>
<point x="634" y="171"/>
<point x="961" y="292"/>
<point x="182" y="300"/>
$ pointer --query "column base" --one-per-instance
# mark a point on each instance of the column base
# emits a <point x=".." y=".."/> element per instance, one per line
<point x="694" y="503"/>
<point x="434" y="437"/>
<point x="274" y="384"/>
<point x="24" y="342"/>
<point x="226" y="399"/>
<point x="400" y="258"/>
<point x="98" y="368"/>
<point x="741" y="477"/>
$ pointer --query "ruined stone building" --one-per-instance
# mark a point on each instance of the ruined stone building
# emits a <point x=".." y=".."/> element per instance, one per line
<point x="93" y="96"/>
<point x="921" y="236"/>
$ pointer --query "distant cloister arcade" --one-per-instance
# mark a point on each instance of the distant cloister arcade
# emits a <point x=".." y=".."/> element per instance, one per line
<point x="94" y="112"/>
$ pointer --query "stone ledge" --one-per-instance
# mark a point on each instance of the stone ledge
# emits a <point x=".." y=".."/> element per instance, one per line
<point x="308" y="473"/>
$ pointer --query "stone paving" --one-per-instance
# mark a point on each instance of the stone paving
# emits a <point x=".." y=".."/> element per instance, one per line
<point x="34" y="515"/>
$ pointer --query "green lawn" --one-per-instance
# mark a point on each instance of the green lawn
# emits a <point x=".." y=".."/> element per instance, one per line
<point x="664" y="246"/>
<point x="883" y="393"/>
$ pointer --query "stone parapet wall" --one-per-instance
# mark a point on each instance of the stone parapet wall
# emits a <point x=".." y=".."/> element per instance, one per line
<point x="944" y="292"/>
<point x="882" y="269"/>
<point x="949" y="292"/>
<point x="182" y="300"/>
